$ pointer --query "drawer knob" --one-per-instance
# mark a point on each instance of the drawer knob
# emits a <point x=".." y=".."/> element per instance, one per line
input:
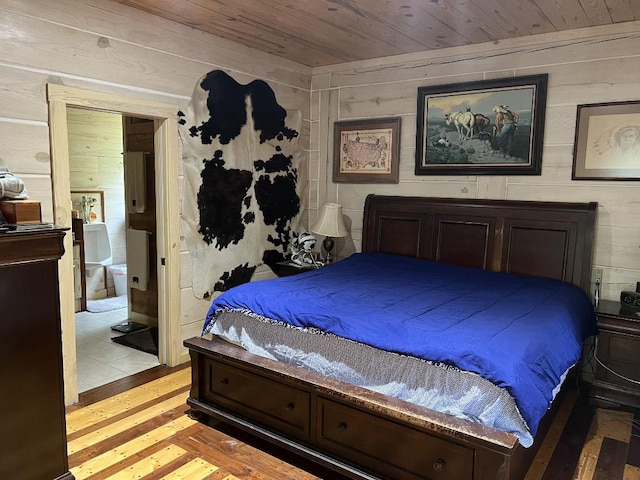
<point x="224" y="381"/>
<point x="289" y="406"/>
<point x="342" y="427"/>
<point x="439" y="464"/>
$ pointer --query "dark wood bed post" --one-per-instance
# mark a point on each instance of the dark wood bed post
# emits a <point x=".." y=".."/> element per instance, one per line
<point x="326" y="420"/>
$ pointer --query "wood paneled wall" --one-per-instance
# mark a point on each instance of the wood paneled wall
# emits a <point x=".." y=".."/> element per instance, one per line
<point x="107" y="47"/>
<point x="593" y="65"/>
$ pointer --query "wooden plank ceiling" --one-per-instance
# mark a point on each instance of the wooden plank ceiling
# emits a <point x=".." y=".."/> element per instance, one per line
<point x="325" y="32"/>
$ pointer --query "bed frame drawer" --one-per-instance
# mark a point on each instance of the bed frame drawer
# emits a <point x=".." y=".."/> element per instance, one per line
<point x="371" y="440"/>
<point x="259" y="398"/>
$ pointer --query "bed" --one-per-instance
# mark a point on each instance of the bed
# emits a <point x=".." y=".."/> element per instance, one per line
<point x="362" y="431"/>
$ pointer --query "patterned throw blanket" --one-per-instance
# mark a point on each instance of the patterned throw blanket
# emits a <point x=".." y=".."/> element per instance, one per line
<point x="438" y="387"/>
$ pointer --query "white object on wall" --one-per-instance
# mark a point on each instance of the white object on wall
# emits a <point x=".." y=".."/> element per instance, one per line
<point x="97" y="246"/>
<point x="77" y="273"/>
<point x="136" y="181"/>
<point x="138" y="259"/>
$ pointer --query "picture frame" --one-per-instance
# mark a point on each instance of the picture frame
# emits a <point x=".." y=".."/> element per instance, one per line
<point x="607" y="141"/>
<point x="95" y="204"/>
<point x="488" y="127"/>
<point x="367" y="151"/>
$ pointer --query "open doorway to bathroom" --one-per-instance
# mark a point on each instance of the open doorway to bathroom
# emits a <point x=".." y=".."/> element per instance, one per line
<point x="112" y="179"/>
<point x="164" y="115"/>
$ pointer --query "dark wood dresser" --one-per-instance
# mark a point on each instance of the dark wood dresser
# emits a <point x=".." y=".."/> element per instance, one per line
<point x="618" y="349"/>
<point x="33" y="441"/>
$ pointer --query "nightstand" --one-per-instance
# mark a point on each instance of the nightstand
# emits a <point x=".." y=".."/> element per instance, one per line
<point x="286" y="268"/>
<point x="618" y="348"/>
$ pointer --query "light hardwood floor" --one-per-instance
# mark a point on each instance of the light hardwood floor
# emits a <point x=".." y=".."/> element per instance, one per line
<point x="145" y="432"/>
<point x="139" y="428"/>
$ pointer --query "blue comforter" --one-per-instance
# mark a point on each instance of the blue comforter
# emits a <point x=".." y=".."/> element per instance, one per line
<point x="521" y="333"/>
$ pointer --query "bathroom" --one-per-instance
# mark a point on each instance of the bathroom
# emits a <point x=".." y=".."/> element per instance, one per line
<point x="119" y="286"/>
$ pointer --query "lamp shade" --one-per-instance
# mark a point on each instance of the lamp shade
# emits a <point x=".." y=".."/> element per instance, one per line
<point x="330" y="222"/>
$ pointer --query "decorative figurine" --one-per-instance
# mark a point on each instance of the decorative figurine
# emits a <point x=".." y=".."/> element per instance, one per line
<point x="302" y="250"/>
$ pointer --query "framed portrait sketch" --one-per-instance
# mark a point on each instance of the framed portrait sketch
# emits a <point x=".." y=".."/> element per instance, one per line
<point x="490" y="127"/>
<point x="607" y="143"/>
<point x="367" y="151"/>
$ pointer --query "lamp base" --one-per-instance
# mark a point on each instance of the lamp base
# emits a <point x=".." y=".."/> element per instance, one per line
<point x="328" y="245"/>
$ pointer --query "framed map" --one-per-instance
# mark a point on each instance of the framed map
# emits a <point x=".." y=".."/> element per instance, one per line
<point x="367" y="151"/>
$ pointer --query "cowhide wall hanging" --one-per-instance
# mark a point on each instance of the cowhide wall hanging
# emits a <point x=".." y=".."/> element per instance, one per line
<point x="242" y="192"/>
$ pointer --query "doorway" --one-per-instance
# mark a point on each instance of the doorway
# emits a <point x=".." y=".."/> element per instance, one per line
<point x="165" y="137"/>
<point x="112" y="174"/>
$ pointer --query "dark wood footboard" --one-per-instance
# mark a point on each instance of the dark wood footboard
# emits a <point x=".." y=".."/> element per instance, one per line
<point x="354" y="431"/>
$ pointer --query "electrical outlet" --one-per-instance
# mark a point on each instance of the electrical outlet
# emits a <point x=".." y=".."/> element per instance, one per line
<point x="597" y="275"/>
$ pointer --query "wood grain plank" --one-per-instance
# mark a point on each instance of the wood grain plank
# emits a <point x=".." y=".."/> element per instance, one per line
<point x="611" y="464"/>
<point x="127" y="400"/>
<point x="131" y="433"/>
<point x="88" y="419"/>
<point x="597" y="12"/>
<point x="150" y="464"/>
<point x="321" y="32"/>
<point x="622" y="11"/>
<point x="241" y="454"/>
<point x="380" y="100"/>
<point x="550" y="443"/>
<point x="220" y="449"/>
<point x="282" y="28"/>
<point x="448" y="13"/>
<point x="633" y="456"/>
<point x="488" y="18"/>
<point x="413" y="17"/>
<point x="542" y="53"/>
<point x="161" y="471"/>
<point x="566" y="455"/>
<point x="22" y="94"/>
<point x="124" y="384"/>
<point x="618" y="208"/>
<point x="128" y="449"/>
<point x="524" y="18"/>
<point x="126" y="462"/>
<point x="100" y="434"/>
<point x="367" y="27"/>
<point x="615" y="424"/>
<point x="194" y="470"/>
<point x="234" y="22"/>
<point x="129" y="25"/>
<point x="590" y="451"/>
<point x="25" y="148"/>
<point x="50" y="43"/>
<point x="564" y="14"/>
<point x="631" y="472"/>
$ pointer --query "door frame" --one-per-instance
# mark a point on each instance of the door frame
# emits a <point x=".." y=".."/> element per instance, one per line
<point x="165" y="116"/>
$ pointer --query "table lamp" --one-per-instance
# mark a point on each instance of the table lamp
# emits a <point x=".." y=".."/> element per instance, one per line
<point x="330" y="224"/>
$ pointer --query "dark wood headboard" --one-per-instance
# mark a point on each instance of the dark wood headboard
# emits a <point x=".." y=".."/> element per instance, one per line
<point x="544" y="239"/>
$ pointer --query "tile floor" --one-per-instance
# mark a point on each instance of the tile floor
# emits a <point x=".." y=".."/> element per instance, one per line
<point x="101" y="360"/>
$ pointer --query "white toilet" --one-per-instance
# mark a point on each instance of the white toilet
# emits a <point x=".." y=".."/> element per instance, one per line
<point x="97" y="246"/>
